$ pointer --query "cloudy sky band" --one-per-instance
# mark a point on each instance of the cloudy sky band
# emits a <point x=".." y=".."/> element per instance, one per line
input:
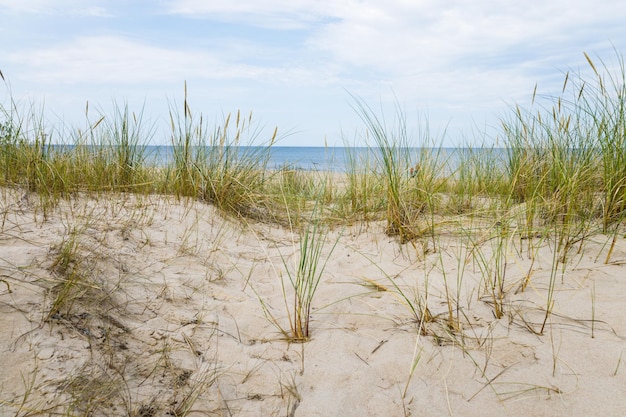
<point x="295" y="63"/>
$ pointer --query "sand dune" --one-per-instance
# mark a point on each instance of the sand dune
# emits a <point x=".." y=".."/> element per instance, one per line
<point x="150" y="306"/>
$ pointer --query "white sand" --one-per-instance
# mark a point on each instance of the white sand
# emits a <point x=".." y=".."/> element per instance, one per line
<point x="168" y="314"/>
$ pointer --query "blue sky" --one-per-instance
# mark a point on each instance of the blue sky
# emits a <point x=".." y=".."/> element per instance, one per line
<point x="457" y="64"/>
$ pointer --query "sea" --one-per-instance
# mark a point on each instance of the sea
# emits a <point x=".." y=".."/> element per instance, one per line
<point x="335" y="159"/>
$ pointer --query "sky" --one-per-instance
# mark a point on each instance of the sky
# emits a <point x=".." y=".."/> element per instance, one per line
<point x="454" y="68"/>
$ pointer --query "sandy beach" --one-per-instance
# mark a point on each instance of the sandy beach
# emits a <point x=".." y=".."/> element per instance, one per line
<point x="154" y="306"/>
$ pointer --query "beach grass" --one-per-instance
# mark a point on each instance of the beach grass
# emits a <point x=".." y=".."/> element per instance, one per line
<point x="574" y="146"/>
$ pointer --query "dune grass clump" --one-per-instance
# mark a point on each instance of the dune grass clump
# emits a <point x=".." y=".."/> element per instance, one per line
<point x="566" y="161"/>
<point x="305" y="276"/>
<point x="362" y="198"/>
<point x="412" y="174"/>
<point x="393" y="160"/>
<point x="476" y="183"/>
<point x="604" y="101"/>
<point x="67" y="265"/>
<point x="303" y="269"/>
<point x="234" y="176"/>
<point x="125" y="136"/>
<point x="108" y="155"/>
<point x="219" y="166"/>
<point x="26" y="158"/>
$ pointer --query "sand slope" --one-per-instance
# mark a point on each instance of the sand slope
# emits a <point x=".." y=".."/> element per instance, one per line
<point x="148" y="306"/>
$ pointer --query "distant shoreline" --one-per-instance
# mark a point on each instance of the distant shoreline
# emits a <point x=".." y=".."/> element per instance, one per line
<point x="308" y="158"/>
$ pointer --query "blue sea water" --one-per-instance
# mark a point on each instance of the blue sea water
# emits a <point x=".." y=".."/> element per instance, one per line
<point x="296" y="157"/>
<point x="337" y="159"/>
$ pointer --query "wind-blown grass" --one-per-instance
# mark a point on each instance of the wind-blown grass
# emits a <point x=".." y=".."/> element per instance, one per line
<point x="573" y="146"/>
<point x="108" y="155"/>
<point x="303" y="274"/>
<point x="306" y="275"/>
<point x="216" y="165"/>
<point x="411" y="180"/>
<point x="392" y="148"/>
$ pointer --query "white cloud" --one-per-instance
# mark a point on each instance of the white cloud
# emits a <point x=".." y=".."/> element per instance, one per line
<point x="458" y="49"/>
<point x="399" y="36"/>
<point x="454" y="57"/>
<point x="467" y="54"/>
<point x="112" y="59"/>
